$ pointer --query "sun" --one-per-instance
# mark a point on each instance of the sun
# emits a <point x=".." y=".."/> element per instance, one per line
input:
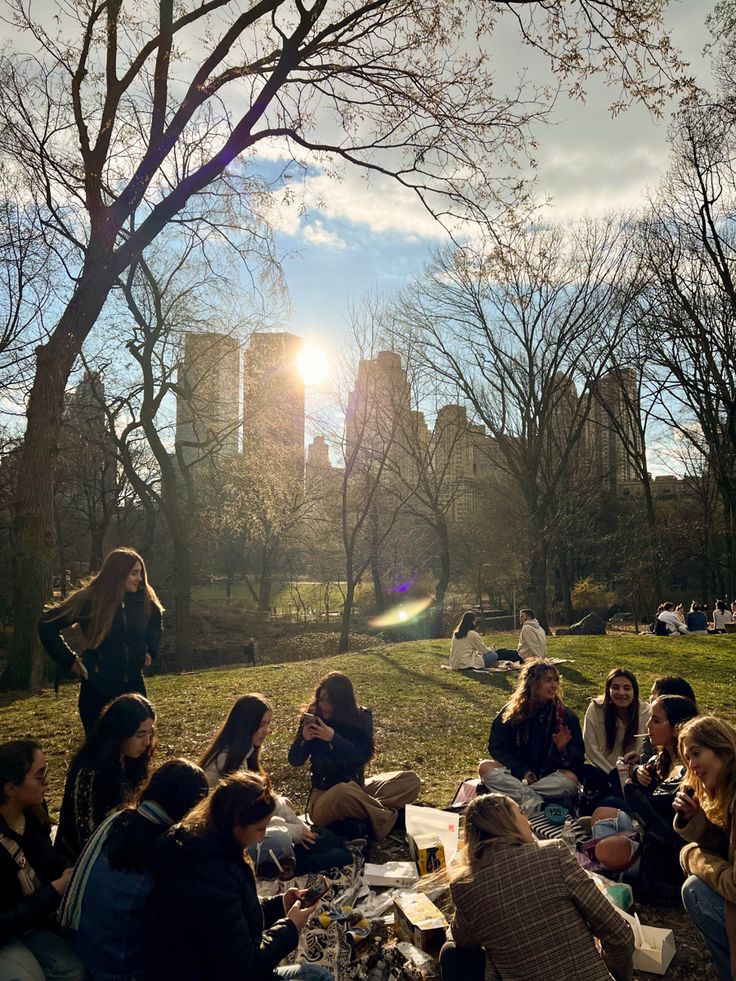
<point x="312" y="364"/>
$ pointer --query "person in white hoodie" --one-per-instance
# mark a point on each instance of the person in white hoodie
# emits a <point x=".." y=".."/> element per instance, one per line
<point x="237" y="747"/>
<point x="532" y="640"/>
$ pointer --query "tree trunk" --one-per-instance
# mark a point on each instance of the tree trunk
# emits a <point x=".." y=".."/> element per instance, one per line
<point x="265" y="584"/>
<point x="182" y="605"/>
<point x="538" y="574"/>
<point x="34" y="530"/>
<point x="443" y="581"/>
<point x="347" y="614"/>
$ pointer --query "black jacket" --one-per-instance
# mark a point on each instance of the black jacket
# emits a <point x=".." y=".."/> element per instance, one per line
<point x="119" y="658"/>
<point x="343" y="759"/>
<point x="89" y="796"/>
<point x="206" y="921"/>
<point x="526" y="745"/>
<point x="18" y="914"/>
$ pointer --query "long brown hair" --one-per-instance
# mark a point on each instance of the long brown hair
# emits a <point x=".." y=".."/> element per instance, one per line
<point x="239" y="799"/>
<point x="678" y="711"/>
<point x="490" y="820"/>
<point x="103" y="593"/>
<point x="716" y="734"/>
<point x="610" y="712"/>
<point x="532" y="674"/>
<point x="236" y="735"/>
<point x="341" y="694"/>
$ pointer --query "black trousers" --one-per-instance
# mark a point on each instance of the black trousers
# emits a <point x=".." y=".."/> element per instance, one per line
<point x="92" y="700"/>
<point x="462" y="963"/>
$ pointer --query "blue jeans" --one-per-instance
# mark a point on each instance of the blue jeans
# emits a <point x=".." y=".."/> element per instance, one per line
<point x="305" y="972"/>
<point x="707" y="909"/>
<point x="39" y="955"/>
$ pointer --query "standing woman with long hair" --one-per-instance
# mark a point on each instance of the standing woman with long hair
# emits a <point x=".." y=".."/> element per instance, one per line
<point x="105" y="773"/>
<point x="614" y="726"/>
<point x="119" y="615"/>
<point x="527" y="907"/>
<point x="705" y="808"/>
<point x="336" y="735"/>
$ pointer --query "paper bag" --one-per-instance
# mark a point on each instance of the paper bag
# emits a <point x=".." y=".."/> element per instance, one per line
<point x="430" y="820"/>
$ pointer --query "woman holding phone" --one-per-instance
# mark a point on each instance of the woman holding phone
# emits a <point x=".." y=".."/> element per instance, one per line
<point x="336" y="735"/>
<point x="206" y="919"/>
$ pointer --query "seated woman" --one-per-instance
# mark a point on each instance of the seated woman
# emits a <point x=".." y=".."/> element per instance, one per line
<point x="113" y="762"/>
<point x="706" y="818"/>
<point x="467" y="649"/>
<point x="537" y="739"/>
<point x="206" y="920"/>
<point x="695" y="619"/>
<point x="105" y="907"/>
<point x="237" y="747"/>
<point x="336" y="735"/>
<point x="515" y="894"/>
<point x="649" y="797"/>
<point x="33" y="877"/>
<point x="721" y="616"/>
<point x="613" y="728"/>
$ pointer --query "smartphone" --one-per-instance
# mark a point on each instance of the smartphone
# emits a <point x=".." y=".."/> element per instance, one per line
<point x="308" y="717"/>
<point x="690" y="791"/>
<point x="315" y="892"/>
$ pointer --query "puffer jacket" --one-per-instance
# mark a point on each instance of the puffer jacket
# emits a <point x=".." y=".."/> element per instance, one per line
<point x="206" y="921"/>
<point x="342" y="760"/>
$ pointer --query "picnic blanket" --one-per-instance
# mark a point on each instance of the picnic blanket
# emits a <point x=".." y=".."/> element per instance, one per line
<point x="503" y="666"/>
<point x="327" y="946"/>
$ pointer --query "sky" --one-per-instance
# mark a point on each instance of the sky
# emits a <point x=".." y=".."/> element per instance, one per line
<point x="361" y="237"/>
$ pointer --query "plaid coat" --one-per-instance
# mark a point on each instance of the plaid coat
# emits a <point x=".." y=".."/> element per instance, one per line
<point x="536" y="913"/>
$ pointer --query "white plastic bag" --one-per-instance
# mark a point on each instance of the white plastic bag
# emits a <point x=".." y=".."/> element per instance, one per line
<point x="430" y="820"/>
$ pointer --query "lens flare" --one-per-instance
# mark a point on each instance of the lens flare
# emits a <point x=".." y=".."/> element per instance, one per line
<point x="402" y="613"/>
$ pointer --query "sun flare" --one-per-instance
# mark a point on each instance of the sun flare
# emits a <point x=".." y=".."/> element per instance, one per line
<point x="313" y="365"/>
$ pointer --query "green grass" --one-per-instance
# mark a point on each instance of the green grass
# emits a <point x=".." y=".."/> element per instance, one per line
<point x="426" y="718"/>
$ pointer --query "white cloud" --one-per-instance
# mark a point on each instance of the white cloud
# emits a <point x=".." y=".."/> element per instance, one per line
<point x="316" y="234"/>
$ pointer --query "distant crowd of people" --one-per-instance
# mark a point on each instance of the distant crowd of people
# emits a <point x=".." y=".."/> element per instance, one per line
<point x="153" y="870"/>
<point x="673" y="620"/>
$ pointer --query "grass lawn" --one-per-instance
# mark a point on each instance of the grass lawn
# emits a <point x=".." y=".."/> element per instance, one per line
<point x="432" y="720"/>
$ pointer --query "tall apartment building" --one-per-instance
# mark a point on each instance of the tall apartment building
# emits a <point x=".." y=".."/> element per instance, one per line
<point x="207" y="407"/>
<point x="378" y="423"/>
<point x="273" y="401"/>
<point x="462" y="455"/>
<point x="611" y="426"/>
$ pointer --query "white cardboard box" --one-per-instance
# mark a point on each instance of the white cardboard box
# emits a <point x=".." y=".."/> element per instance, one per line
<point x="391" y="874"/>
<point x="655" y="947"/>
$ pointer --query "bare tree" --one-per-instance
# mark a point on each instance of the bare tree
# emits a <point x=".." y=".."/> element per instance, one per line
<point x="514" y="330"/>
<point x="115" y="122"/>
<point x="689" y="240"/>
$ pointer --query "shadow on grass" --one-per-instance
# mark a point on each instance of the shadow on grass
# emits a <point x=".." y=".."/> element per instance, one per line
<point x="498" y="681"/>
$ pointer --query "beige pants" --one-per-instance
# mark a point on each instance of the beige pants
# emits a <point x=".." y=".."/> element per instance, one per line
<point x="376" y="802"/>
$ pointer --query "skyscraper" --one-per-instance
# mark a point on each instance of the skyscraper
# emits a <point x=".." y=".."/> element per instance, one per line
<point x="208" y="396"/>
<point x="273" y="402"/>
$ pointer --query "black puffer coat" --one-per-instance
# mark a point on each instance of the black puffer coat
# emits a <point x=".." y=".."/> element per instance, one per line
<point x="207" y="922"/>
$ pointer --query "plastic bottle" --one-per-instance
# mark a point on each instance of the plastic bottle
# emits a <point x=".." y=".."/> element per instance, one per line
<point x="568" y="836"/>
<point x="526" y="800"/>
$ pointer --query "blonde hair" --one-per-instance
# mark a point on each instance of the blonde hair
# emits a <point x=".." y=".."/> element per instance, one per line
<point x="531" y="675"/>
<point x="490" y="820"/>
<point x="719" y="736"/>
<point x="103" y="593"/>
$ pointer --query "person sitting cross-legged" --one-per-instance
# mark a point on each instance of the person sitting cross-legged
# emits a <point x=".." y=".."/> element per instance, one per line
<point x="536" y="738"/>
